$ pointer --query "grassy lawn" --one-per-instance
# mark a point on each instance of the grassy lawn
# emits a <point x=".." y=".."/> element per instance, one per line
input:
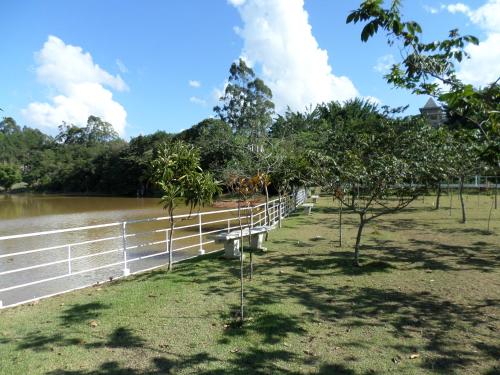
<point x="426" y="301"/>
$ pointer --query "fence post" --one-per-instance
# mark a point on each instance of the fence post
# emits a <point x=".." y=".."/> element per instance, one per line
<point x="251" y="217"/>
<point x="280" y="204"/>
<point x="228" y="225"/>
<point x="69" y="259"/>
<point x="201" y="251"/>
<point x="126" y="270"/>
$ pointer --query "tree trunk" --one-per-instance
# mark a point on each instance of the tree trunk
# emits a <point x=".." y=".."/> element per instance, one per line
<point x="267" y="205"/>
<point x="496" y="192"/>
<point x="450" y="192"/>
<point x="489" y="216"/>
<point x="438" y="196"/>
<point x="340" y="223"/>
<point x="249" y="242"/>
<point x="241" y="262"/>
<point x="170" y="238"/>
<point x="462" y="203"/>
<point x="358" y="238"/>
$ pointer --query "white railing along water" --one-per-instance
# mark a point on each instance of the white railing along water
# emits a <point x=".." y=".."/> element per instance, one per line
<point x="113" y="250"/>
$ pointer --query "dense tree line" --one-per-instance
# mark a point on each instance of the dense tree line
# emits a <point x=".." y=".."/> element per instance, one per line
<point x="93" y="159"/>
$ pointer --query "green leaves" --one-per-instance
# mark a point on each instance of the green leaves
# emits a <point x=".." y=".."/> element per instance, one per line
<point x="369" y="30"/>
<point x="372" y="156"/>
<point x="9" y="175"/>
<point x="177" y="173"/>
<point x="247" y="102"/>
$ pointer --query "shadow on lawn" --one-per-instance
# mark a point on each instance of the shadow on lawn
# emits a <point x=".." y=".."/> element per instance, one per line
<point x="159" y="366"/>
<point x="253" y="361"/>
<point x="436" y="322"/>
<point x="82" y="312"/>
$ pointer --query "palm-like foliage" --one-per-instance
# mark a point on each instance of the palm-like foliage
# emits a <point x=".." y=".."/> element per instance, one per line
<point x="177" y="172"/>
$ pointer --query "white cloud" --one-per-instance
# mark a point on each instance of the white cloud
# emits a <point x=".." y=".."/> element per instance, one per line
<point x="121" y="66"/>
<point x="194" y="83"/>
<point x="218" y="92"/>
<point x="384" y="63"/>
<point x="430" y="9"/>
<point x="373" y="100"/>
<point x="199" y="101"/>
<point x="79" y="85"/>
<point x="236" y="2"/>
<point x="458" y="8"/>
<point x="484" y="65"/>
<point x="277" y="35"/>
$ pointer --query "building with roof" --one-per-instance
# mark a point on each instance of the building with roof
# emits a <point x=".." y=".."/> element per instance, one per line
<point x="433" y="113"/>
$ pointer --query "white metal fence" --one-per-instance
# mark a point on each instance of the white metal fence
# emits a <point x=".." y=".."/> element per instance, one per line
<point x="473" y="182"/>
<point x="43" y="264"/>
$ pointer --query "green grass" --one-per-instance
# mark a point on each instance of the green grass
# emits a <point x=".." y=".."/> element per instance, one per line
<point x="428" y="288"/>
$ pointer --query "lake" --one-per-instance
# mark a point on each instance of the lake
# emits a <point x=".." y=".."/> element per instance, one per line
<point x="20" y="213"/>
<point x="28" y="213"/>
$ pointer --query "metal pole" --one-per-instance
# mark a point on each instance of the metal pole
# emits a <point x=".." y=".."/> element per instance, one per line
<point x="496" y="192"/>
<point x="170" y="250"/>
<point x="126" y="270"/>
<point x="200" y="251"/>
<point x="69" y="259"/>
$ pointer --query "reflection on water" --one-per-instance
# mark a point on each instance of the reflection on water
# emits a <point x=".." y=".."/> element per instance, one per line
<point x="34" y="213"/>
<point x="73" y="262"/>
<point x="21" y="213"/>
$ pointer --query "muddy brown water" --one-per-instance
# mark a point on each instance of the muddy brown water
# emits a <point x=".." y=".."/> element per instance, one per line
<point x="28" y="213"/>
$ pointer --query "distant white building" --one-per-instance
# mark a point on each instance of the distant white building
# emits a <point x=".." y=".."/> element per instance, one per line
<point x="433" y="113"/>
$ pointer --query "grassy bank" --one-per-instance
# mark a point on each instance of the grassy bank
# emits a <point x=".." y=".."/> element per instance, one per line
<point x="426" y="301"/>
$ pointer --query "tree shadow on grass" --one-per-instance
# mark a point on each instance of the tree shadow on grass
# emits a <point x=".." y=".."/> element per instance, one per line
<point x="272" y="327"/>
<point x="159" y="366"/>
<point x="40" y="343"/>
<point x="476" y="231"/>
<point x="79" y="313"/>
<point x="121" y="337"/>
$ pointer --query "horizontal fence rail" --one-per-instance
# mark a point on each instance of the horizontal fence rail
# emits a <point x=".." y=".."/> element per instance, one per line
<point x="42" y="264"/>
<point x="473" y="182"/>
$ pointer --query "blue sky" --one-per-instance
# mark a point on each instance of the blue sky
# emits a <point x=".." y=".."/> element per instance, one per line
<point x="132" y="62"/>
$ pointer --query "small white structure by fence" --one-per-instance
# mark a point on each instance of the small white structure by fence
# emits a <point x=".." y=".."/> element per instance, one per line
<point x="75" y="258"/>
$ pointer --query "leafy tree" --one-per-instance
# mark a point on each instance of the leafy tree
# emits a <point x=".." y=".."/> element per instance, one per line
<point x="216" y="142"/>
<point x="465" y="160"/>
<point x="8" y="126"/>
<point x="429" y="68"/>
<point x="247" y="104"/>
<point x="176" y="170"/>
<point x="137" y="159"/>
<point x="96" y="131"/>
<point x="9" y="175"/>
<point x="374" y="165"/>
<point x="245" y="187"/>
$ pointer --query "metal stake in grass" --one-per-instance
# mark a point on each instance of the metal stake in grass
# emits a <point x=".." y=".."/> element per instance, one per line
<point x="489" y="216"/>
<point x="496" y="192"/>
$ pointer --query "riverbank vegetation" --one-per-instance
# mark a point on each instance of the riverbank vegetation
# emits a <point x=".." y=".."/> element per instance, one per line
<point x="425" y="302"/>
